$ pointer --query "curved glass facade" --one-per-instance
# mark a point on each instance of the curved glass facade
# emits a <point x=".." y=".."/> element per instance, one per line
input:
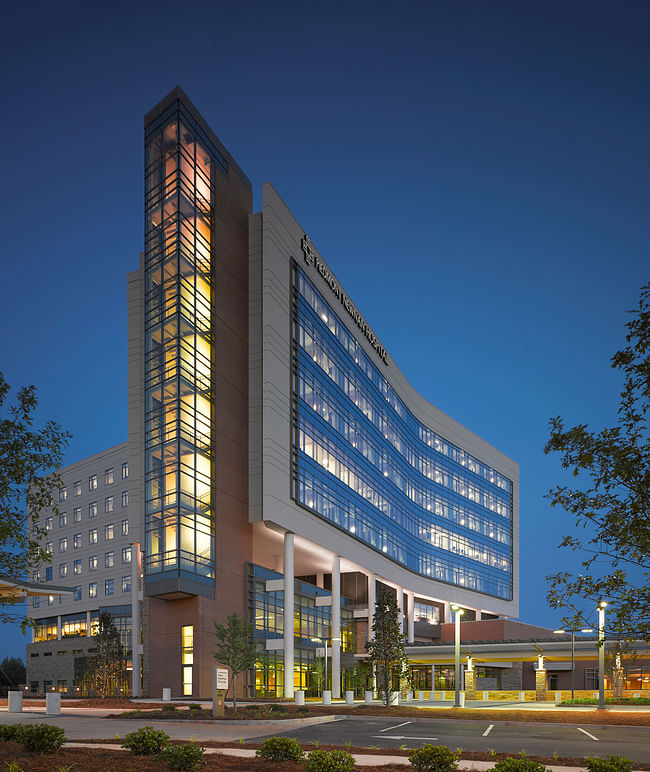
<point x="363" y="461"/>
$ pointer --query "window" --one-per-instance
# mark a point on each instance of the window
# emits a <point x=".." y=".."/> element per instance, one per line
<point x="125" y="470"/>
<point x="50" y="600"/>
<point x="109" y="559"/>
<point x="92" y="590"/>
<point x="76" y="539"/>
<point x="92" y="482"/>
<point x="126" y="554"/>
<point x="125" y="499"/>
<point x="108" y="587"/>
<point x="125" y="527"/>
<point x="49" y="523"/>
<point x="92" y="563"/>
<point x="63" y="519"/>
<point x="77" y="515"/>
<point x="63" y="494"/>
<point x="77" y="593"/>
<point x="63" y="570"/>
<point x="109" y="532"/>
<point x="92" y="536"/>
<point x="36" y="575"/>
<point x="77" y="567"/>
<point x="108" y="504"/>
<point x="108" y="476"/>
<point x="77" y="488"/>
<point x="36" y="602"/>
<point x="187" y="657"/>
<point x="126" y="583"/>
<point x="49" y="548"/>
<point x="48" y="573"/>
<point x="63" y="545"/>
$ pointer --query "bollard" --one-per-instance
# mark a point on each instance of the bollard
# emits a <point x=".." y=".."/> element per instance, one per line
<point x="432" y="695"/>
<point x="368" y="696"/>
<point x="461" y="699"/>
<point x="409" y="696"/>
<point x="167" y="694"/>
<point x="421" y="695"/>
<point x="299" y="697"/>
<point x="15" y="704"/>
<point x="558" y="698"/>
<point x="52" y="704"/>
<point x="522" y="696"/>
<point x="486" y="696"/>
<point x="349" y="698"/>
<point x="327" y="697"/>
<point x="393" y="698"/>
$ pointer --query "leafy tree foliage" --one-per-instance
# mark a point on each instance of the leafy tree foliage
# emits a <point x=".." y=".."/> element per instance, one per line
<point x="29" y="459"/>
<point x="235" y="648"/>
<point x="613" y="504"/>
<point x="386" y="649"/>
<point x="106" y="670"/>
<point x="12" y="672"/>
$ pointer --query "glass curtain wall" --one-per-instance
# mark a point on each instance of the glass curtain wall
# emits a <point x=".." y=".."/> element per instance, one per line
<point x="179" y="200"/>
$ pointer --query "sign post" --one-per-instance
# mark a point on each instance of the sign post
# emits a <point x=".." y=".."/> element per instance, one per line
<point x="219" y="689"/>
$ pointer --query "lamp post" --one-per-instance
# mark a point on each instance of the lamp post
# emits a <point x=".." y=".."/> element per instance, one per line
<point x="573" y="650"/>
<point x="601" y="654"/>
<point x="458" y="613"/>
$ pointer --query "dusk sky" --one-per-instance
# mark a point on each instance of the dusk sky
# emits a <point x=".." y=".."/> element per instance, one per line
<point x="475" y="172"/>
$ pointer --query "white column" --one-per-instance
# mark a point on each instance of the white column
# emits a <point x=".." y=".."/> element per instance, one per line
<point x="372" y="600"/>
<point x="136" y="655"/>
<point x="447" y="612"/>
<point x="336" y="627"/>
<point x="410" y="619"/>
<point x="88" y="630"/>
<point x="288" y="614"/>
<point x="400" y="605"/>
<point x="58" y="627"/>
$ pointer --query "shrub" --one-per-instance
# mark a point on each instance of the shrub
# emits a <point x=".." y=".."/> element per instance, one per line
<point x="146" y="741"/>
<point x="186" y="756"/>
<point x="42" y="738"/>
<point x="280" y="749"/>
<point x="436" y="758"/>
<point x="11" y="733"/>
<point x="518" y="765"/>
<point x="330" y="761"/>
<point x="610" y="764"/>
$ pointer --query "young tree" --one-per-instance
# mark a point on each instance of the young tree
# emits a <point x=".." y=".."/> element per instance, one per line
<point x="29" y="459"/>
<point x="386" y="649"/>
<point x="12" y="672"/>
<point x="235" y="648"/>
<point x="613" y="505"/>
<point x="106" y="669"/>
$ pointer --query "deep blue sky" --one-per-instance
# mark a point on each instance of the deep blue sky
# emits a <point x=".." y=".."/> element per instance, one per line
<point x="475" y="172"/>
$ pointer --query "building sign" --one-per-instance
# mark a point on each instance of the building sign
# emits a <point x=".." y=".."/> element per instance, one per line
<point x="222" y="678"/>
<point x="313" y="258"/>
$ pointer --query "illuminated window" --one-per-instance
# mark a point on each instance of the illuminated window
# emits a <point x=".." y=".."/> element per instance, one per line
<point x="63" y="519"/>
<point x="92" y="536"/>
<point x="109" y="559"/>
<point x="63" y="494"/>
<point x="108" y="587"/>
<point x="76" y="541"/>
<point x="49" y="547"/>
<point x="108" y="504"/>
<point x="126" y="554"/>
<point x="109" y="532"/>
<point x="63" y="570"/>
<point x="125" y="499"/>
<point x="77" y="567"/>
<point x="76" y="489"/>
<point x="92" y="509"/>
<point x="77" y="515"/>
<point x="63" y="545"/>
<point x="126" y="583"/>
<point x="92" y="482"/>
<point x="125" y="527"/>
<point x="49" y="523"/>
<point x="187" y="657"/>
<point x="125" y="470"/>
<point x="92" y="563"/>
<point x="108" y="476"/>
<point x="92" y="590"/>
<point x="50" y="600"/>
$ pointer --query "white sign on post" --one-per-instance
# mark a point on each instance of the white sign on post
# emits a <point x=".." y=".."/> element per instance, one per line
<point x="222" y="678"/>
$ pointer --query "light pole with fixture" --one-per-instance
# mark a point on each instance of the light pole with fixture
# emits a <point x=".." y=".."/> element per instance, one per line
<point x="601" y="654"/>
<point x="324" y="642"/>
<point x="573" y="649"/>
<point x="458" y="613"/>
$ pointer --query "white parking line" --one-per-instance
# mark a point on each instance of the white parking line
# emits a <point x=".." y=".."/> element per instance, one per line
<point x="395" y="727"/>
<point x="488" y="730"/>
<point x="584" y="731"/>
